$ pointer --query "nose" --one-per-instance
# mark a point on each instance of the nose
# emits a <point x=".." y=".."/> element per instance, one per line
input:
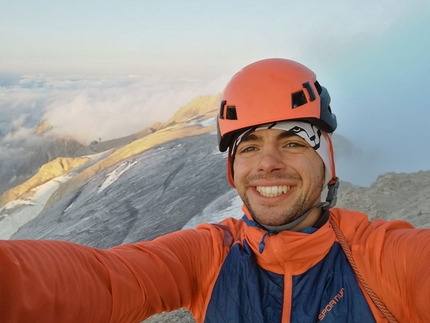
<point x="271" y="160"/>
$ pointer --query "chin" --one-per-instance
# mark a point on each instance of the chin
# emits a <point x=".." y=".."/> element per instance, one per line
<point x="268" y="218"/>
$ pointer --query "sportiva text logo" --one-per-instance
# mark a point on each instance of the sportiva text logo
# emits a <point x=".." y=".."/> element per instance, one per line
<point x="330" y="305"/>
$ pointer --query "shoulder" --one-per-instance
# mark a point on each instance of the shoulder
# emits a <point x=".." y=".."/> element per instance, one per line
<point x="393" y="257"/>
<point x="379" y="244"/>
<point x="357" y="227"/>
<point x="226" y="231"/>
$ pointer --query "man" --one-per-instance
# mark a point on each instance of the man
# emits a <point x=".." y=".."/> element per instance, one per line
<point x="292" y="258"/>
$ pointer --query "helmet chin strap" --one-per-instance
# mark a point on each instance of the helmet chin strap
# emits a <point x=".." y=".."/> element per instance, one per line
<point x="329" y="203"/>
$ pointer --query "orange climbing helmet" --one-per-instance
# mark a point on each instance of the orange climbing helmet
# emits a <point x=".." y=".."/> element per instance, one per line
<point x="272" y="90"/>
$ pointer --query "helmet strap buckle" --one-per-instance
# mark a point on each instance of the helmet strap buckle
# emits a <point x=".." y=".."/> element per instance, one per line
<point x="331" y="198"/>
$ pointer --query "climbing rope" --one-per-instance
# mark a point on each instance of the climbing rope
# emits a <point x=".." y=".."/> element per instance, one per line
<point x="379" y="304"/>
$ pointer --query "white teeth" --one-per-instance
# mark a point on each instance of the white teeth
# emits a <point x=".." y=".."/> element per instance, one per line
<point x="272" y="191"/>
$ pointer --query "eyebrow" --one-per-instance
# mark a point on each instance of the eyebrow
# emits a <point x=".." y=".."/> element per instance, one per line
<point x="250" y="137"/>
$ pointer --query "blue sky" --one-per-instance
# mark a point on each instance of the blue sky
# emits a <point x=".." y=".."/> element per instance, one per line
<point x="121" y="66"/>
<point x="191" y="36"/>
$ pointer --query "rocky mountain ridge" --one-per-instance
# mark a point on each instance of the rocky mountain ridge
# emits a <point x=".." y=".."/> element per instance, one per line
<point x="30" y="156"/>
<point x="393" y="196"/>
<point x="46" y="146"/>
<point x="48" y="171"/>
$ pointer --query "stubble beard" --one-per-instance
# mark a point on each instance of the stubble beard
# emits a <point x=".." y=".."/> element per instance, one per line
<point x="270" y="216"/>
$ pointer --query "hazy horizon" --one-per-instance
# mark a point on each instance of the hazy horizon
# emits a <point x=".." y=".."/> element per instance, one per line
<point x="97" y="70"/>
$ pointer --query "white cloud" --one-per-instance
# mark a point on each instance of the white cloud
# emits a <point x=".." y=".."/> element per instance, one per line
<point x="20" y="133"/>
<point x="19" y="121"/>
<point x="88" y="108"/>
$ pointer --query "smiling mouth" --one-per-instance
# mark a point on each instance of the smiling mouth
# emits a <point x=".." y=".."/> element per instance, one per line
<point x="272" y="191"/>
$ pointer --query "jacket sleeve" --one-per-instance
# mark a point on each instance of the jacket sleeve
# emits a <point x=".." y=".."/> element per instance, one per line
<point x="56" y="281"/>
<point x="395" y="260"/>
<point x="406" y="260"/>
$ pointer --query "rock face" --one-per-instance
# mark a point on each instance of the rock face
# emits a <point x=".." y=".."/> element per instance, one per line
<point x="155" y="192"/>
<point x="200" y="108"/>
<point x="57" y="167"/>
<point x="43" y="127"/>
<point x="204" y="106"/>
<point x="393" y="196"/>
<point x="31" y="156"/>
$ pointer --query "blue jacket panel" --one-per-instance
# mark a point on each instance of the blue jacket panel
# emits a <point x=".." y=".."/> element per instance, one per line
<point x="328" y="292"/>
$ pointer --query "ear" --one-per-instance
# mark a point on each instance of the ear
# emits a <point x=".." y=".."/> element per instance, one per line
<point x="230" y="170"/>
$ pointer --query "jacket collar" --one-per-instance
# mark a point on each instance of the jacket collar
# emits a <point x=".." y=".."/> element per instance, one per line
<point x="297" y="250"/>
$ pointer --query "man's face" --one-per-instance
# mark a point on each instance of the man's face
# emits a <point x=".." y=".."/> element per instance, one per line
<point x="278" y="176"/>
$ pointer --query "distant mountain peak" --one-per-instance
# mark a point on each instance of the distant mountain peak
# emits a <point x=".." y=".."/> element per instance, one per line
<point x="43" y="127"/>
<point x="201" y="105"/>
<point x="57" y="167"/>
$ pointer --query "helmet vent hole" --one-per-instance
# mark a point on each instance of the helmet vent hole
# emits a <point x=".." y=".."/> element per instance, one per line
<point x="231" y="112"/>
<point x="298" y="99"/>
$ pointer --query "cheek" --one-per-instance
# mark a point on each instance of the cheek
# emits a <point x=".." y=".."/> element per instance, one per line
<point x="240" y="170"/>
<point x="236" y="171"/>
<point x="314" y="167"/>
<point x="319" y="170"/>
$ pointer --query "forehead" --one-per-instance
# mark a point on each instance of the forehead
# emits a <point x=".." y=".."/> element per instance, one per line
<point x="269" y="134"/>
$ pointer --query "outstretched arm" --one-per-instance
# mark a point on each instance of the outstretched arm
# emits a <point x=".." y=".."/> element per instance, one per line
<point x="55" y="281"/>
<point x="410" y="265"/>
<point x="394" y="259"/>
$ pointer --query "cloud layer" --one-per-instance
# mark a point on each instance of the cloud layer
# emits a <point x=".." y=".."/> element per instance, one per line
<point x="88" y="108"/>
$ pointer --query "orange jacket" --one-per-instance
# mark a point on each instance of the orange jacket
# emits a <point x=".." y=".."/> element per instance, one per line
<point x="54" y="281"/>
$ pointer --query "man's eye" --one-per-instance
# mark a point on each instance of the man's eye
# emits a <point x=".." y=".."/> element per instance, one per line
<point x="247" y="149"/>
<point x="293" y="144"/>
